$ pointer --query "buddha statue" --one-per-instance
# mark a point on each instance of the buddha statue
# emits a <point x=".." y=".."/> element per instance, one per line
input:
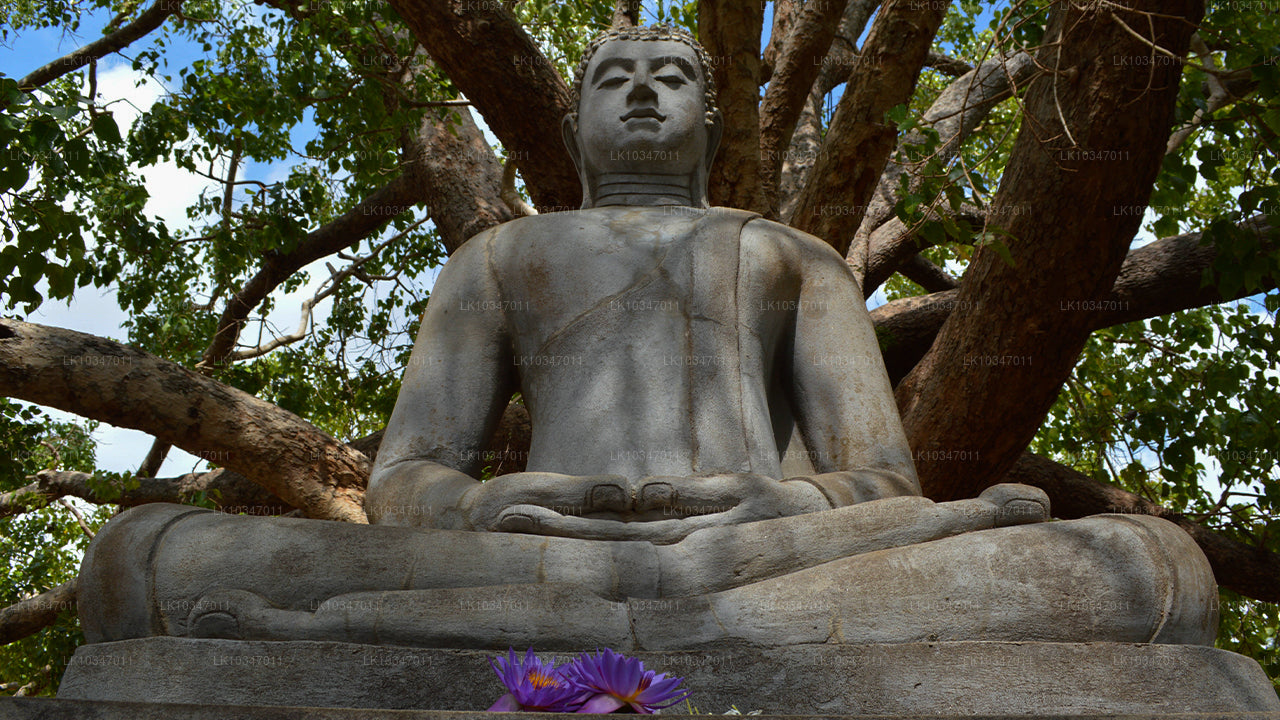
<point x="716" y="454"/>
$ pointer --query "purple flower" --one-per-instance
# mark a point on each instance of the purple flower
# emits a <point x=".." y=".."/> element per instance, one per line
<point x="610" y="681"/>
<point x="533" y="686"/>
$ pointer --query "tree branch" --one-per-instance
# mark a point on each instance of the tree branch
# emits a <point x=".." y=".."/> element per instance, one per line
<point x="104" y="380"/>
<point x="26" y="618"/>
<point x="149" y="20"/>
<point x="794" y="72"/>
<point x="927" y="275"/>
<point x="493" y="61"/>
<point x="367" y="216"/>
<point x="229" y="491"/>
<point x="893" y="244"/>
<point x="859" y="142"/>
<point x="957" y="112"/>
<point x="1156" y="279"/>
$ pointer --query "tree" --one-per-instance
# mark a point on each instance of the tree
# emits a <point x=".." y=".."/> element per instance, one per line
<point x="989" y="165"/>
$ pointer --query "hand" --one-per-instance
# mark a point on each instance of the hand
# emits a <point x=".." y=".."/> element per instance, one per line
<point x="486" y="505"/>
<point x="668" y="509"/>
<point x="748" y="496"/>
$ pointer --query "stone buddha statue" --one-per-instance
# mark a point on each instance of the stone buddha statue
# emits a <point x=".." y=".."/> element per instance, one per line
<point x="716" y="455"/>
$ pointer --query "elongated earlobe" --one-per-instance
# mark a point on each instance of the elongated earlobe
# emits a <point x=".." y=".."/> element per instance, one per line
<point x="569" y="134"/>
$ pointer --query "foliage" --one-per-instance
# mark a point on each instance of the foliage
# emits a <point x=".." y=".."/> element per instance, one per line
<point x="40" y="550"/>
<point x="1176" y="409"/>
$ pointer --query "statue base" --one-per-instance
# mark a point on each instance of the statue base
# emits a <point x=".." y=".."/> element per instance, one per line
<point x="944" y="678"/>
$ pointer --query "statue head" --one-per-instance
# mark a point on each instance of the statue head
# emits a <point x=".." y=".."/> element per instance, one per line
<point x="644" y="112"/>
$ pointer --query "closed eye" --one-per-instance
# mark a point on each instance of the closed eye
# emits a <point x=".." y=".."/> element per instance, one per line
<point x="673" y="80"/>
<point x="611" y="82"/>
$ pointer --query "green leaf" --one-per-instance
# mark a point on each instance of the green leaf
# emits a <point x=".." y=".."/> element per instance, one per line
<point x="104" y="127"/>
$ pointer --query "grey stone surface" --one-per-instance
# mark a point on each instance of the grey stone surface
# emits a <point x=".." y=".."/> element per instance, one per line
<point x="915" y="679"/>
<point x="716" y="458"/>
<point x="45" y="709"/>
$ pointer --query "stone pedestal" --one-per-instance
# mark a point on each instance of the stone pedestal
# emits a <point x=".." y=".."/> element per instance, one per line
<point x="909" y="680"/>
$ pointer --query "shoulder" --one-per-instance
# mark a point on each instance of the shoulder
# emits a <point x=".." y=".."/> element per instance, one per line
<point x="797" y="248"/>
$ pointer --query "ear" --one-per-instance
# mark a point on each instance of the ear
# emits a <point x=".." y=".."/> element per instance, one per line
<point x="569" y="133"/>
<point x="714" y="132"/>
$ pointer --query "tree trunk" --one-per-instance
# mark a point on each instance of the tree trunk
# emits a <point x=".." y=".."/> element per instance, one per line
<point x="979" y="395"/>
<point x="493" y="61"/>
<point x="730" y="33"/>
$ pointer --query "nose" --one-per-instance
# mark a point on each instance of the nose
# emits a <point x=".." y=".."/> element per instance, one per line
<point x="642" y="91"/>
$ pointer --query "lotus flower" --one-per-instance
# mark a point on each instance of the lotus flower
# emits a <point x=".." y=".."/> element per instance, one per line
<point x="534" y="686"/>
<point x="610" y="682"/>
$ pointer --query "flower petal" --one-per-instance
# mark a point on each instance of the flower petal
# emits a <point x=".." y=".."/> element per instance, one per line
<point x="601" y="704"/>
<point x="506" y="703"/>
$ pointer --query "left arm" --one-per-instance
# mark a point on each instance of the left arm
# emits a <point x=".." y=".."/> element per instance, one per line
<point x="839" y="390"/>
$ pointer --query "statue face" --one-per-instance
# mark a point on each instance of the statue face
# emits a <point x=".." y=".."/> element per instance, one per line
<point x="642" y="108"/>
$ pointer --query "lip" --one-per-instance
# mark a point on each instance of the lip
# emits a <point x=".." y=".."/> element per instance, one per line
<point x="644" y="113"/>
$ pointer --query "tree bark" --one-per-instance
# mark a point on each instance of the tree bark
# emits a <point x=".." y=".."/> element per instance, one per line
<point x="1251" y="571"/>
<point x="730" y="33"/>
<point x="460" y="177"/>
<point x="978" y="396"/>
<point x="493" y="61"/>
<point x="29" y="616"/>
<point x="860" y="141"/>
<point x="104" y="380"/>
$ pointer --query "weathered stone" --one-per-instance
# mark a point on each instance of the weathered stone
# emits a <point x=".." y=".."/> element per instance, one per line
<point x="913" y="679"/>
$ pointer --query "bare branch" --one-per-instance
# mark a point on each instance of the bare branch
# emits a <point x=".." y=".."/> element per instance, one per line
<point x="79" y="518"/>
<point x="947" y="65"/>
<point x="346" y="230"/>
<point x="1218" y="97"/>
<point x="511" y="196"/>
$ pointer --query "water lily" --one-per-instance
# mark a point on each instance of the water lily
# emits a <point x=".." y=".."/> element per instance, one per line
<point x="611" y="682"/>
<point x="533" y="685"/>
